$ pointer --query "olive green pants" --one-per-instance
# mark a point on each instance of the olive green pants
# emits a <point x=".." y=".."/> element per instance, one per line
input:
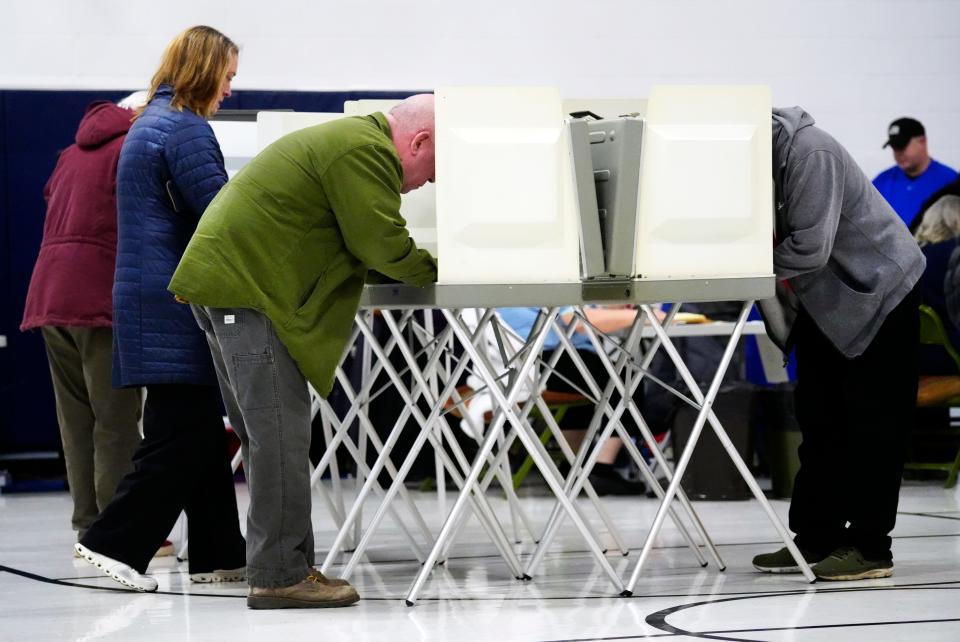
<point x="99" y="425"/>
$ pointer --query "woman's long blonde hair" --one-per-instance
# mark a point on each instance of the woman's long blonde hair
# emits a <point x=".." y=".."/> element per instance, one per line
<point x="195" y="64"/>
<point x="941" y="222"/>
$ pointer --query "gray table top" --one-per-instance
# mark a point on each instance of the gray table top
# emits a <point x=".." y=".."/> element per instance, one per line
<point x="609" y="292"/>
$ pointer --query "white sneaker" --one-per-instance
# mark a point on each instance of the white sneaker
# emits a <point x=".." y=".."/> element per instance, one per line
<point x="117" y="570"/>
<point x="220" y="575"/>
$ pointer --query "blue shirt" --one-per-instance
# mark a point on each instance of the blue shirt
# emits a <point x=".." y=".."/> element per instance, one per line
<point x="521" y="321"/>
<point x="906" y="195"/>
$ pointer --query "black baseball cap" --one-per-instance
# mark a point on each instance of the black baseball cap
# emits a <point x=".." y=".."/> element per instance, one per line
<point x="901" y="131"/>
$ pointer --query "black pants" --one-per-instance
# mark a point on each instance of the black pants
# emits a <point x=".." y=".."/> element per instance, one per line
<point x="182" y="464"/>
<point x="567" y="378"/>
<point x="855" y="415"/>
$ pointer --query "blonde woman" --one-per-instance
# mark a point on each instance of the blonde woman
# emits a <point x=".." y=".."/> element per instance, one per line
<point x="941" y="222"/>
<point x="170" y="169"/>
<point x="937" y="235"/>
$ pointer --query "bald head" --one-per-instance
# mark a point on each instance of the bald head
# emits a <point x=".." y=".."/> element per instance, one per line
<point x="412" y="130"/>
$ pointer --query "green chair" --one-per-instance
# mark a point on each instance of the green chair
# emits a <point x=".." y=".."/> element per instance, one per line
<point x="938" y="391"/>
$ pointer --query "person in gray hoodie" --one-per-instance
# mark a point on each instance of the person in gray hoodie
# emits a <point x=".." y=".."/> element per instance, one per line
<point x="847" y="270"/>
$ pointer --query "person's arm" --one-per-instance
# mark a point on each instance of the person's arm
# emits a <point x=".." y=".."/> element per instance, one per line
<point x="814" y="196"/>
<point x="196" y="166"/>
<point x="608" y="320"/>
<point x="363" y="188"/>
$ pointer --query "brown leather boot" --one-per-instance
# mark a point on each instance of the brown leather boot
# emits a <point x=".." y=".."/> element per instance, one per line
<point x="314" y="592"/>
<point x="335" y="581"/>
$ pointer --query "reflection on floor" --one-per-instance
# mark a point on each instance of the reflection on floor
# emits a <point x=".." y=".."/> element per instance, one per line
<point x="45" y="594"/>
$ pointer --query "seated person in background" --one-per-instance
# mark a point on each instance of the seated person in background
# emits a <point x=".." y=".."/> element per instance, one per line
<point x="951" y="290"/>
<point x="937" y="236"/>
<point x="603" y="477"/>
<point x="950" y="189"/>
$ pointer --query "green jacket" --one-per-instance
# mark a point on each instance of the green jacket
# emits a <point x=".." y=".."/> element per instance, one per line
<point x="295" y="232"/>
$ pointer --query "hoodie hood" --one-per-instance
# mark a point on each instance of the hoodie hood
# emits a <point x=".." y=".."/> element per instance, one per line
<point x="102" y="122"/>
<point x="787" y="121"/>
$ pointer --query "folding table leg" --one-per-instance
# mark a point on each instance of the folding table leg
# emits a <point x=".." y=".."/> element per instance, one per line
<point x="367" y="428"/>
<point x="366" y="356"/>
<point x="531" y="442"/>
<point x="578" y="484"/>
<point x="425" y="433"/>
<point x="603" y="408"/>
<point x="652" y="442"/>
<point x="479" y="500"/>
<point x="706" y="413"/>
<point x="500" y="464"/>
<point x="362" y="465"/>
<point x="537" y="401"/>
<point x="383" y="458"/>
<point x="441" y="478"/>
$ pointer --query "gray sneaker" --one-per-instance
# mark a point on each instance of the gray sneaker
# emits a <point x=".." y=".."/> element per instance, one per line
<point x="311" y="593"/>
<point x="848" y="563"/>
<point x="782" y="561"/>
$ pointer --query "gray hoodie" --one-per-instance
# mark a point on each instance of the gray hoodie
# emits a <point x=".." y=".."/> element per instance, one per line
<point x="847" y="257"/>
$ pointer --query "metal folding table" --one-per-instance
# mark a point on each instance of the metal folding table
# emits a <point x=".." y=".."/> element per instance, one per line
<point x="437" y="385"/>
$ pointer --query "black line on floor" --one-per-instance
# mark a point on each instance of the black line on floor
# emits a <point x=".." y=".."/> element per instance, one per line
<point x="659" y="619"/>
<point x="770" y="629"/>
<point x="932" y="515"/>
<point x="945" y="585"/>
<point x="113" y="589"/>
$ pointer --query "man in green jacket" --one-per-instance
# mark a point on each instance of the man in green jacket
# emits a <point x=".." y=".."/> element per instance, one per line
<point x="274" y="274"/>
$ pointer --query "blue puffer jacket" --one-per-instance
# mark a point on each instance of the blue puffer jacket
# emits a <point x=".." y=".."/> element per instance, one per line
<point x="170" y="169"/>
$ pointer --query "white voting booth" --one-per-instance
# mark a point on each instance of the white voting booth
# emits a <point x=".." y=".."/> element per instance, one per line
<point x="272" y="125"/>
<point x="705" y="183"/>
<point x="505" y="198"/>
<point x="507" y="209"/>
<point x="238" y="143"/>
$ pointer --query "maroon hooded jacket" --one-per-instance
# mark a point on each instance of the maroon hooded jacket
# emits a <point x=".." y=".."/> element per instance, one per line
<point x="73" y="277"/>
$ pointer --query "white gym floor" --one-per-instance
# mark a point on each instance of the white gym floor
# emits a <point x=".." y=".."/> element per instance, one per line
<point x="46" y="594"/>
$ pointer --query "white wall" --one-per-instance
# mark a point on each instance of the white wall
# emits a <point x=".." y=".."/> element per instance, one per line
<point x="854" y="64"/>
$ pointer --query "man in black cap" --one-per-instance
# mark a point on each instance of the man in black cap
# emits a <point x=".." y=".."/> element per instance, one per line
<point x="916" y="175"/>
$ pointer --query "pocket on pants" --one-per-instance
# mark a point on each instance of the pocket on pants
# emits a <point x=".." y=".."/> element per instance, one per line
<point x="256" y="380"/>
